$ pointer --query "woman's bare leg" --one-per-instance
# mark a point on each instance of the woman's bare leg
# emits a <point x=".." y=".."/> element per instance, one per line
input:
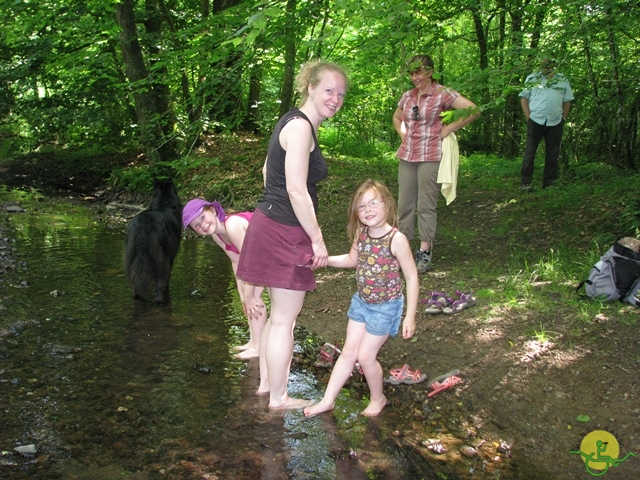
<point x="285" y="307"/>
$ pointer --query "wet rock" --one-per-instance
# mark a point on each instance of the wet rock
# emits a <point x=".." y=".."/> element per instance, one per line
<point x="14" y="209"/>
<point x="468" y="451"/>
<point x="64" y="349"/>
<point x="26" y="450"/>
<point x="202" y="368"/>
<point x="504" y="448"/>
<point x="434" y="446"/>
<point x="17" y="327"/>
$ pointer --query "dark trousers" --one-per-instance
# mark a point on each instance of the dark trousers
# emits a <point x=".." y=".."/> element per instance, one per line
<point x="552" y="141"/>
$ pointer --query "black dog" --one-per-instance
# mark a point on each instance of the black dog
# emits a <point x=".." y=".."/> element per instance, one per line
<point x="153" y="240"/>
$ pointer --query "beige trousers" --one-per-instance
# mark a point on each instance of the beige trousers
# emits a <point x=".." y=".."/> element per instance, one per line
<point x="418" y="188"/>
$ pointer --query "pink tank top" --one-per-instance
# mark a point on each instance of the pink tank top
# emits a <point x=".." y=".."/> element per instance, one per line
<point x="247" y="216"/>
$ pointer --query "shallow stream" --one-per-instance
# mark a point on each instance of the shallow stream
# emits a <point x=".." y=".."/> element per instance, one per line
<point x="105" y="387"/>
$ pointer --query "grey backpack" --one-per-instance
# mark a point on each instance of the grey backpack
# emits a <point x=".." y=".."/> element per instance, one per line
<point x="615" y="276"/>
<point x="633" y="297"/>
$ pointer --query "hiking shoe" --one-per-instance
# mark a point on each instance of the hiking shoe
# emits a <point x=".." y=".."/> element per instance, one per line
<point x="423" y="260"/>
<point x="525" y="186"/>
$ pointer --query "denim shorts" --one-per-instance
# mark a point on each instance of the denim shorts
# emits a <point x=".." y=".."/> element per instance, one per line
<point x="380" y="318"/>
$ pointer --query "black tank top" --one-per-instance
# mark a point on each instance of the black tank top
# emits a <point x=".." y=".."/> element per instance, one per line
<point x="275" y="201"/>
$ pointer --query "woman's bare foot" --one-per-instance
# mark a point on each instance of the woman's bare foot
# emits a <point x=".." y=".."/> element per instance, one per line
<point x="374" y="408"/>
<point x="317" y="409"/>
<point x="248" y="353"/>
<point x="261" y="392"/>
<point x="241" y="348"/>
<point x="291" y="403"/>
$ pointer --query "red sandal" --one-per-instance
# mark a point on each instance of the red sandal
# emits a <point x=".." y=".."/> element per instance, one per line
<point x="444" y="382"/>
<point x="328" y="354"/>
<point x="405" y="375"/>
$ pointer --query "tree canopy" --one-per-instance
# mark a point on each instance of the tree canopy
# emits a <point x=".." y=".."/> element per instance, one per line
<point x="158" y="74"/>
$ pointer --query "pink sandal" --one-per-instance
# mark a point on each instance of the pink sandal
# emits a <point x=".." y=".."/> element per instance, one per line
<point x="444" y="382"/>
<point x="328" y="354"/>
<point x="405" y="375"/>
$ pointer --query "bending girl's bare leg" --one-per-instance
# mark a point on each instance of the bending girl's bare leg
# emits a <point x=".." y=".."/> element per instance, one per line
<point x="244" y="347"/>
<point x="367" y="356"/>
<point x="285" y="307"/>
<point x="256" y="326"/>
<point x="341" y="370"/>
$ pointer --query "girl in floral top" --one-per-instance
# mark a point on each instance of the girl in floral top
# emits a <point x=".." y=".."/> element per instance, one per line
<point x="379" y="251"/>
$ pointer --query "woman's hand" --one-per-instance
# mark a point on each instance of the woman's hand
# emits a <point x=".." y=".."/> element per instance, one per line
<point x="320" y="255"/>
<point x="446" y="130"/>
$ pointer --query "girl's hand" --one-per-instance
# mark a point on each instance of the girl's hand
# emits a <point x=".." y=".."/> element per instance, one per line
<point x="408" y="328"/>
<point x="253" y="307"/>
<point x="444" y="133"/>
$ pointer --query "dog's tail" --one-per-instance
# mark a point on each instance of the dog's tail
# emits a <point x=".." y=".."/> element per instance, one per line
<point x="139" y="262"/>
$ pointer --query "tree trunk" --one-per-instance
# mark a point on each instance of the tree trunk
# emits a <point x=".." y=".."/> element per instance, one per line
<point x="513" y="117"/>
<point x="150" y="133"/>
<point x="485" y="94"/>
<point x="621" y="146"/>
<point x="286" y="93"/>
<point x="159" y="78"/>
<point x="253" y="101"/>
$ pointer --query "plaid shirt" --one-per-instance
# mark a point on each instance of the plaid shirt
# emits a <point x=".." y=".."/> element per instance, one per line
<point x="422" y="143"/>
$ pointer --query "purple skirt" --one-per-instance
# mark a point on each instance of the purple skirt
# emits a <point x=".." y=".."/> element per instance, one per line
<point x="276" y="255"/>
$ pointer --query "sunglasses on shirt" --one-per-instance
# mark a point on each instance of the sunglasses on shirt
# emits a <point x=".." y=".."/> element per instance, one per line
<point x="416" y="113"/>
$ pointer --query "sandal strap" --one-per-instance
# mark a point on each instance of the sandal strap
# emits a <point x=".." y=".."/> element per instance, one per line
<point x="398" y="373"/>
<point x="405" y="373"/>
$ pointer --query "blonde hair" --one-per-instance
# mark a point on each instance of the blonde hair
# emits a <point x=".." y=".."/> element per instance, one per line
<point x="311" y="74"/>
<point x="353" y="223"/>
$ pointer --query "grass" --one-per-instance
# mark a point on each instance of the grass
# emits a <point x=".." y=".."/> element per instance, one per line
<point x="543" y="335"/>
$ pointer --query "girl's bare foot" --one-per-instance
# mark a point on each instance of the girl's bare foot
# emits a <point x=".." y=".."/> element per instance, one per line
<point x="241" y="348"/>
<point x="374" y="408"/>
<point x="317" y="409"/>
<point x="248" y="353"/>
<point x="291" y="403"/>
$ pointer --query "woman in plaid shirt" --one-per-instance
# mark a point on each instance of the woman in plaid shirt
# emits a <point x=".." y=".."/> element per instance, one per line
<point x="419" y="124"/>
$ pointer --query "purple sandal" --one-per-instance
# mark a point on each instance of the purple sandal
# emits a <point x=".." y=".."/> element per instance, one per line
<point x="437" y="302"/>
<point x="465" y="300"/>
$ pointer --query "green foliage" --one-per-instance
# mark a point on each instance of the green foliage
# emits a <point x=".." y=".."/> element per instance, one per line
<point x="64" y="78"/>
<point x="140" y="178"/>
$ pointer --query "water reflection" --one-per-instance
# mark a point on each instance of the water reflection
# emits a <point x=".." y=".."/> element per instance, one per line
<point x="106" y="387"/>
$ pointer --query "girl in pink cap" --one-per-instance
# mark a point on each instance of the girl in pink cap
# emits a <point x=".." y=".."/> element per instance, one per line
<point x="228" y="231"/>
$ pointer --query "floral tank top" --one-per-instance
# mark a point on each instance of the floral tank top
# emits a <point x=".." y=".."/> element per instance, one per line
<point x="378" y="270"/>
